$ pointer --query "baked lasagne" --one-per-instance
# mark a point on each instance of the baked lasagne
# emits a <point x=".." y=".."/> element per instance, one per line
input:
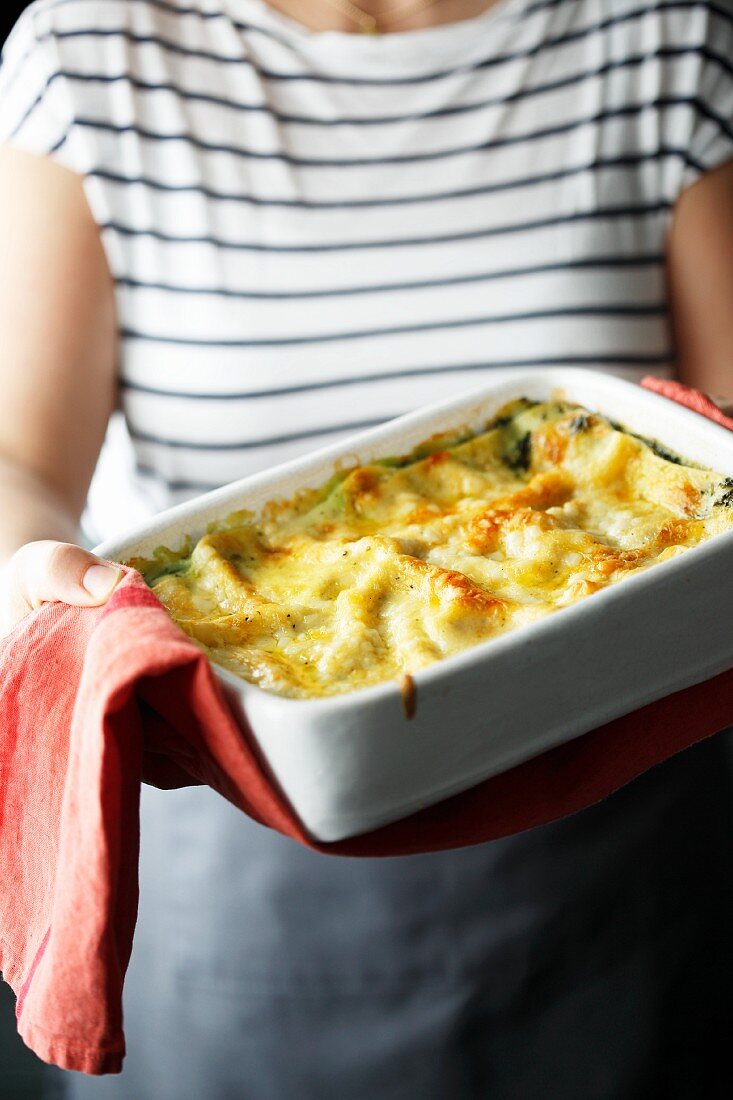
<point x="394" y="565"/>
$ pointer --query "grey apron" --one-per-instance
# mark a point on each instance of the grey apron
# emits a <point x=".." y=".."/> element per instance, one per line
<point x="585" y="960"/>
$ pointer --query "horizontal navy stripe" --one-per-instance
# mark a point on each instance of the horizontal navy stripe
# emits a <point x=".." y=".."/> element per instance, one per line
<point x="641" y="361"/>
<point x="632" y="61"/>
<point x="597" y="263"/>
<point x="170" y="9"/>
<point x="175" y="485"/>
<point x="323" y="78"/>
<point x="600" y="214"/>
<point x="269" y="441"/>
<point x="623" y="161"/>
<point x="627" y="310"/>
<point x="256" y="28"/>
<point x="59" y="143"/>
<point x="25" y="116"/>
<point x="540" y="134"/>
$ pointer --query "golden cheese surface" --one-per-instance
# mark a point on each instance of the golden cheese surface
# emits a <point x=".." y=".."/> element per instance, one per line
<point x="395" y="565"/>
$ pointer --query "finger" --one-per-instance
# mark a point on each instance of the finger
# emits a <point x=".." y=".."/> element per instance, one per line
<point x="44" y="572"/>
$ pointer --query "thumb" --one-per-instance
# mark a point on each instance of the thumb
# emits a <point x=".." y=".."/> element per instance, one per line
<point x="44" y="572"/>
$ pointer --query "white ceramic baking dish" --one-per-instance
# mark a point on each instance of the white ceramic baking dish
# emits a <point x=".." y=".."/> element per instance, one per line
<point x="352" y="762"/>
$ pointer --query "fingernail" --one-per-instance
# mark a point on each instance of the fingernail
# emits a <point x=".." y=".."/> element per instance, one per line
<point x="99" y="580"/>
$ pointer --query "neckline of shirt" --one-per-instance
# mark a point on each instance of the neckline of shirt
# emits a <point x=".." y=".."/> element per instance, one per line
<point x="425" y="43"/>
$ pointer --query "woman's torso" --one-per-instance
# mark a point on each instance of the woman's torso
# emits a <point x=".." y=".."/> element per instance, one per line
<point x="313" y="233"/>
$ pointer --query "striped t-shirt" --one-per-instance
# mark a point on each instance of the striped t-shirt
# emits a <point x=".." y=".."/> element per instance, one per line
<point x="313" y="232"/>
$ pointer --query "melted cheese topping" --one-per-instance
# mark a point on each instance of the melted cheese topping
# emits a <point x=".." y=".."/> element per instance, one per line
<point x="395" y="565"/>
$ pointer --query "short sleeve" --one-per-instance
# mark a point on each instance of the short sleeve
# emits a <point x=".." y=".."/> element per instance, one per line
<point x="710" y="142"/>
<point x="36" y="113"/>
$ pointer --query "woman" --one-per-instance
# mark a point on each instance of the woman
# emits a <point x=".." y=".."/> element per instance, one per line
<point x="255" y="228"/>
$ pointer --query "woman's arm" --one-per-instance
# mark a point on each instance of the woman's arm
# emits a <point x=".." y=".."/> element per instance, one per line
<point x="700" y="276"/>
<point x="57" y="378"/>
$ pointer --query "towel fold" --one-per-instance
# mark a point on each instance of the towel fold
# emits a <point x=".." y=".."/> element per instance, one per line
<point x="94" y="701"/>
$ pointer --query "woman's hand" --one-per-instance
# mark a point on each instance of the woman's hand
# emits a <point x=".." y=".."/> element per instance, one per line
<point x="48" y="572"/>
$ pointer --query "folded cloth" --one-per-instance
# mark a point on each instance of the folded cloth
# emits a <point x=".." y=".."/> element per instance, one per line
<point x="95" y="701"/>
<point x="687" y="395"/>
